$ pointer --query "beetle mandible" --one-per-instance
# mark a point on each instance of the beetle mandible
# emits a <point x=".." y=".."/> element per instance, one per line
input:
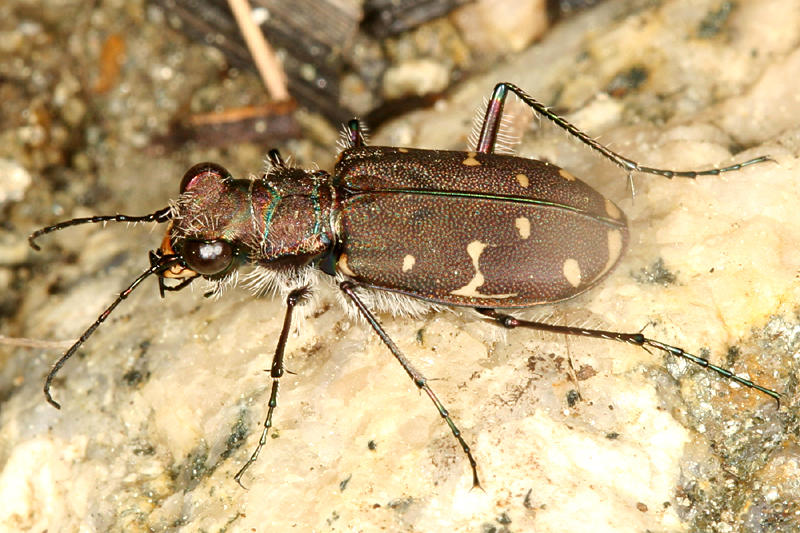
<point x="393" y="227"/>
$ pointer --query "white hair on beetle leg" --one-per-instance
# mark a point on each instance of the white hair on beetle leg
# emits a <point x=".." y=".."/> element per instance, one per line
<point x="345" y="142"/>
<point x="477" y="125"/>
<point x="505" y="140"/>
<point x="381" y="301"/>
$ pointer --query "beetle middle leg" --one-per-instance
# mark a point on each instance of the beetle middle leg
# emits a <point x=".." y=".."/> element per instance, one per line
<point x="276" y="371"/>
<point x="348" y="287"/>
<point x="510" y="322"/>
<point x="494" y="112"/>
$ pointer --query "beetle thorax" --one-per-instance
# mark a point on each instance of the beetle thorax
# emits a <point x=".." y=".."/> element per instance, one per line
<point x="283" y="216"/>
<point x="293" y="212"/>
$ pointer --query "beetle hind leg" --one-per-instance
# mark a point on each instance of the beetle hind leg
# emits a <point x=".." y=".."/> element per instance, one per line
<point x="492" y="122"/>
<point x="510" y="322"/>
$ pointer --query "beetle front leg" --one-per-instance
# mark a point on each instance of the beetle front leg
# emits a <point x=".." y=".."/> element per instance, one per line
<point x="494" y="113"/>
<point x="276" y="371"/>
<point x="510" y="322"/>
<point x="348" y="287"/>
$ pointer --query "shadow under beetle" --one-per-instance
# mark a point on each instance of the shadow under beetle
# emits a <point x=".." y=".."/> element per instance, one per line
<point x="393" y="226"/>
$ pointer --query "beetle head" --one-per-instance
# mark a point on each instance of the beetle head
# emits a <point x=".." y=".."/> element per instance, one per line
<point x="204" y="224"/>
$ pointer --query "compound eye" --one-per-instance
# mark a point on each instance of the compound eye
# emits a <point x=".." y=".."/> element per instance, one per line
<point x="207" y="257"/>
<point x="202" y="171"/>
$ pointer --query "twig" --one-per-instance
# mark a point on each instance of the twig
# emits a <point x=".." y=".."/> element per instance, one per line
<point x="34" y="343"/>
<point x="266" y="61"/>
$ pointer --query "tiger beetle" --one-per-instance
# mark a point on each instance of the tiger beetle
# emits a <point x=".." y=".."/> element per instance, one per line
<point x="395" y="227"/>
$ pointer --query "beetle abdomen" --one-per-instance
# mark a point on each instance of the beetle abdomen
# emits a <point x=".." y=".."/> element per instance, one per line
<point x="511" y="234"/>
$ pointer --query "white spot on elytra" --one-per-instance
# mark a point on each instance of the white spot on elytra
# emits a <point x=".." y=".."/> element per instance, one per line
<point x="612" y="210"/>
<point x="523" y="227"/>
<point x="474" y="250"/>
<point x="523" y="180"/>
<point x="470" y="161"/>
<point x="614" y="248"/>
<point x="566" y="175"/>
<point x="572" y="271"/>
<point x="408" y="262"/>
<point x="614" y="252"/>
<point x="614" y="245"/>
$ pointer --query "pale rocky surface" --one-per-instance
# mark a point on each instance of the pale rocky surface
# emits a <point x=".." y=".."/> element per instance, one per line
<point x="156" y="398"/>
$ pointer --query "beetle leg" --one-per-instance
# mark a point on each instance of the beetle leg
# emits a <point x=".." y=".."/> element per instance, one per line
<point x="275" y="160"/>
<point x="348" y="287"/>
<point x="276" y="371"/>
<point x="355" y="133"/>
<point x="494" y="112"/>
<point x="510" y="322"/>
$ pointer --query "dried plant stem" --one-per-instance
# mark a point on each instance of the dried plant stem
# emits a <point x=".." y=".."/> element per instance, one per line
<point x="264" y="57"/>
<point x="34" y="343"/>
